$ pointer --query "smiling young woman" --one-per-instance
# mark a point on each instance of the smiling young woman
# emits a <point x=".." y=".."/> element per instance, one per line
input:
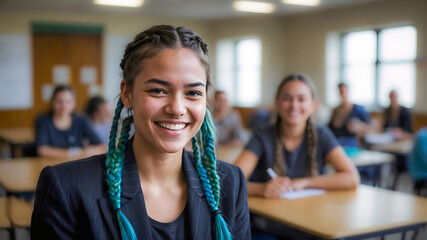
<point x="295" y="148"/>
<point x="149" y="187"/>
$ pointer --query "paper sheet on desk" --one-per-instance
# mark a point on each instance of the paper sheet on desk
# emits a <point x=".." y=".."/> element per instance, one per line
<point x="302" y="193"/>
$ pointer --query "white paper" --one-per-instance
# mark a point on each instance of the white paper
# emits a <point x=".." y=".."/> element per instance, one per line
<point x="383" y="138"/>
<point x="88" y="75"/>
<point x="61" y="74"/>
<point x="302" y="193"/>
<point x="47" y="90"/>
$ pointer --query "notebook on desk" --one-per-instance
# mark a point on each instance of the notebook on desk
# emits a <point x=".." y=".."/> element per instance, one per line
<point x="302" y="193"/>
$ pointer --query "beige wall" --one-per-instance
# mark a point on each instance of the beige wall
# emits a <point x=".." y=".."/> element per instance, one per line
<point x="269" y="31"/>
<point x="292" y="43"/>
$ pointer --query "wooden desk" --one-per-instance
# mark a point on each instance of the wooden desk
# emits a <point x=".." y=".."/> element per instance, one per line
<point x="228" y="153"/>
<point x="4" y="219"/>
<point x="16" y="137"/>
<point x="21" y="174"/>
<point x="20" y="212"/>
<point x="361" y="213"/>
<point x="398" y="147"/>
<point x="371" y="158"/>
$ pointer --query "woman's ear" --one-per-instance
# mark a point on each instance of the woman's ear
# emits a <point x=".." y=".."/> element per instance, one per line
<point x="126" y="94"/>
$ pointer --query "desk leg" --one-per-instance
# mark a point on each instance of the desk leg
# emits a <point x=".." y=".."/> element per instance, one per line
<point x="12" y="233"/>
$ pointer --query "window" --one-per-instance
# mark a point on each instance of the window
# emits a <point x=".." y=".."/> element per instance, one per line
<point x="239" y="71"/>
<point x="374" y="62"/>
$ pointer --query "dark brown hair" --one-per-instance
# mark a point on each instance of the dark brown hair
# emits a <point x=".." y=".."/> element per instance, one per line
<point x="310" y="131"/>
<point x="149" y="43"/>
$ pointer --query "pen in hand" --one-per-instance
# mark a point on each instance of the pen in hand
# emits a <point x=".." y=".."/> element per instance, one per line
<point x="271" y="173"/>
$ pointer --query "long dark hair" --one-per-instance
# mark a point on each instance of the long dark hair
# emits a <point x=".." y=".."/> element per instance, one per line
<point x="310" y="131"/>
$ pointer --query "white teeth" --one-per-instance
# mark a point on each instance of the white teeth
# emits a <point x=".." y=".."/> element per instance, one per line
<point x="172" y="126"/>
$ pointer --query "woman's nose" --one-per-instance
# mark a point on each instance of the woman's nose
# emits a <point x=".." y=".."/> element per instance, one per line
<point x="176" y="106"/>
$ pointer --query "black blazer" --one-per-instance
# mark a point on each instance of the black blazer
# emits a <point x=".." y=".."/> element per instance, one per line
<point x="71" y="201"/>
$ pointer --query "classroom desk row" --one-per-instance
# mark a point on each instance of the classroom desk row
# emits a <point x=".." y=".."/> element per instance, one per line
<point x="14" y="213"/>
<point x="335" y="215"/>
<point x="15" y="138"/>
<point x="353" y="214"/>
<point x="20" y="175"/>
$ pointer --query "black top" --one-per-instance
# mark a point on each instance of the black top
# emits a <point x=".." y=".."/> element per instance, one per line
<point x="404" y="120"/>
<point x="175" y="230"/>
<point x="262" y="144"/>
<point x="80" y="130"/>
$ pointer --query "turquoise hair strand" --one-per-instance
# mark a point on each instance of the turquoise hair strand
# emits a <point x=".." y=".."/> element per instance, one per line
<point x="209" y="178"/>
<point x="114" y="165"/>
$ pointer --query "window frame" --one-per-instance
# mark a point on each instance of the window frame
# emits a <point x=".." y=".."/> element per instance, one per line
<point x="235" y="68"/>
<point x="375" y="105"/>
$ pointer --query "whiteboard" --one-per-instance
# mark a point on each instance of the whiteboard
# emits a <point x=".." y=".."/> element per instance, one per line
<point x="115" y="46"/>
<point x="16" y="90"/>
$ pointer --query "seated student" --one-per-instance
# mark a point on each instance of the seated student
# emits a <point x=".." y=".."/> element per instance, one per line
<point x="227" y="121"/>
<point x="296" y="149"/>
<point x="100" y="114"/>
<point x="417" y="160"/>
<point x="348" y="120"/>
<point x="397" y="119"/>
<point x="62" y="133"/>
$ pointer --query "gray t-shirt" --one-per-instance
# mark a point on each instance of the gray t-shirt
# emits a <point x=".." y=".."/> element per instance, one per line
<point x="262" y="144"/>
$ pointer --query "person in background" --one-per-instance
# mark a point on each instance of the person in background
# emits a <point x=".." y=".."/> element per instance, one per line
<point x="417" y="160"/>
<point x="348" y="121"/>
<point x="227" y="121"/>
<point x="100" y="114"/>
<point x="61" y="133"/>
<point x="295" y="149"/>
<point x="397" y="119"/>
<point x="149" y="187"/>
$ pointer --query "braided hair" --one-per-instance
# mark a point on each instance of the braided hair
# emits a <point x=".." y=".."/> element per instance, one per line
<point x="146" y="45"/>
<point x="310" y="131"/>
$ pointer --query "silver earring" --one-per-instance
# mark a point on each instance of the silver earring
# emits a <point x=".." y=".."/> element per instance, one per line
<point x="130" y="111"/>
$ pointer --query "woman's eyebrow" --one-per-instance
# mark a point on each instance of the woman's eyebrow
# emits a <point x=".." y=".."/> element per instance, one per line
<point x="158" y="81"/>
<point x="196" y="84"/>
<point x="166" y="83"/>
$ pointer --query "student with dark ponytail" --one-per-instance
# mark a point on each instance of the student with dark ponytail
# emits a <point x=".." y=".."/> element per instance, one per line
<point x="149" y="186"/>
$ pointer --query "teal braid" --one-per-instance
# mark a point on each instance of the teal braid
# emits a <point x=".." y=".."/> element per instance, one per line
<point x="114" y="164"/>
<point x="209" y="178"/>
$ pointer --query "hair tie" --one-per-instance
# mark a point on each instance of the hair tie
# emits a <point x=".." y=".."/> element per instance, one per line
<point x="216" y="212"/>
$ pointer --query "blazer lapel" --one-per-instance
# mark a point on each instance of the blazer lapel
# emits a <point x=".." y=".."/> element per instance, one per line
<point x="198" y="209"/>
<point x="132" y="199"/>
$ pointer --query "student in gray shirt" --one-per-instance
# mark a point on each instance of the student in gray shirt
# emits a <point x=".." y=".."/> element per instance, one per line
<point x="296" y="149"/>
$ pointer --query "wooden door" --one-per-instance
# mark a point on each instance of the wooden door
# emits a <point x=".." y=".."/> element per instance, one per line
<point x="50" y="50"/>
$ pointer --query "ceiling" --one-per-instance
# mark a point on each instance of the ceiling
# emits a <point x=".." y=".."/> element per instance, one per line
<point x="188" y="9"/>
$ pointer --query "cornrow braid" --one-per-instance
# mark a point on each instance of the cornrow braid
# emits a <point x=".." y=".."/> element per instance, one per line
<point x="119" y="136"/>
<point x="312" y="147"/>
<point x="209" y="178"/>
